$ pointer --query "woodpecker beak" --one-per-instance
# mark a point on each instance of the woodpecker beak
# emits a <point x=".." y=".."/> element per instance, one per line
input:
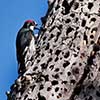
<point x="36" y="28"/>
<point x="36" y="24"/>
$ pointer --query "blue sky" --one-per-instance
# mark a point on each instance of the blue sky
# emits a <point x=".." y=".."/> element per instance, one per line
<point x="13" y="13"/>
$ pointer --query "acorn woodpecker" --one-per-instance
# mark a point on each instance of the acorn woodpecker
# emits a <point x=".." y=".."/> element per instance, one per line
<point x="24" y="38"/>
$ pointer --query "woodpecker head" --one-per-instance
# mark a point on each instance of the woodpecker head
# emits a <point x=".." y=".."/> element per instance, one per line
<point x="30" y="24"/>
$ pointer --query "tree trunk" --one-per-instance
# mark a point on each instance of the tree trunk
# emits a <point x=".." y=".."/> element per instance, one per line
<point x="66" y="65"/>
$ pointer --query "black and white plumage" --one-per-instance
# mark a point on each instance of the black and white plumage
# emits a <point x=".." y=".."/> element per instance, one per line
<point x="23" y="41"/>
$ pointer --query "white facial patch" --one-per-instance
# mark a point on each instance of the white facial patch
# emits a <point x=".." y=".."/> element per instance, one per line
<point x="32" y="28"/>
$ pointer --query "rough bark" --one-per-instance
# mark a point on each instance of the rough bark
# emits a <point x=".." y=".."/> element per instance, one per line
<point x="66" y="65"/>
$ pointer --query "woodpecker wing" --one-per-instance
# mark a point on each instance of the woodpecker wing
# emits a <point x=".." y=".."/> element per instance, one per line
<point x="22" y="41"/>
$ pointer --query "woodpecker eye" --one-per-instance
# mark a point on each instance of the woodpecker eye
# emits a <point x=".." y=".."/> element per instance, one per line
<point x="31" y="24"/>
